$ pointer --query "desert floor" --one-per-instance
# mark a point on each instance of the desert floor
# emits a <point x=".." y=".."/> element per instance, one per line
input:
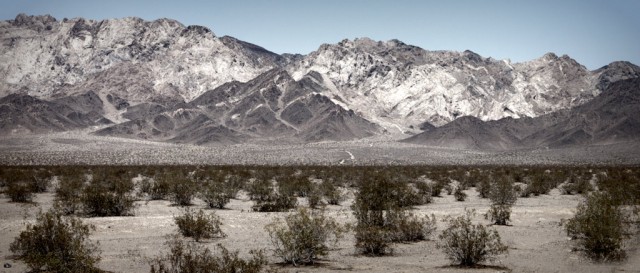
<point x="536" y="239"/>
<point x="80" y="147"/>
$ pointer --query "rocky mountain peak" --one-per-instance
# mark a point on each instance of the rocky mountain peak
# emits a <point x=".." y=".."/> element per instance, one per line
<point x="35" y="22"/>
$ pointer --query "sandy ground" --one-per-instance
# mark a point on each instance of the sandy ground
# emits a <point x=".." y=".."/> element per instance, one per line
<point x="536" y="240"/>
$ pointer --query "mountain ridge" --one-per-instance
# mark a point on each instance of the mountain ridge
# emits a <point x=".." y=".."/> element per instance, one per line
<point x="160" y="79"/>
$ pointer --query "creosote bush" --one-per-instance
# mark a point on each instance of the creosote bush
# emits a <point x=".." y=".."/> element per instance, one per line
<point x="268" y="199"/>
<point x="215" y="194"/>
<point x="182" y="189"/>
<point x="499" y="214"/>
<point x="199" y="225"/>
<point x="331" y="192"/>
<point x="188" y="257"/>
<point x="303" y="236"/>
<point x="503" y="196"/>
<point x="381" y="216"/>
<point x="108" y="194"/>
<point x="459" y="194"/>
<point x="467" y="244"/>
<point x="410" y="228"/>
<point x="19" y="192"/>
<point x="57" y="243"/>
<point x="69" y="193"/>
<point x="598" y="225"/>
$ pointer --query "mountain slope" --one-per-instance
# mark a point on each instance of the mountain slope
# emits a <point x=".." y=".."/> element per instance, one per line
<point x="271" y="106"/>
<point x="611" y="117"/>
<point x="394" y="84"/>
<point x="47" y="58"/>
<point x="26" y="114"/>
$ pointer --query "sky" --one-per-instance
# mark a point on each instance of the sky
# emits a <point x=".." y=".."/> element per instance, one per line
<point x="594" y="33"/>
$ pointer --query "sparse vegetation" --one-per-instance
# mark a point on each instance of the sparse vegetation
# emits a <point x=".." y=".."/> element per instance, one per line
<point x="57" y="243"/>
<point x="385" y="204"/>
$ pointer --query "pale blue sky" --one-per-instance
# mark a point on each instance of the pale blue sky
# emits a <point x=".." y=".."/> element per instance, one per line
<point x="594" y="33"/>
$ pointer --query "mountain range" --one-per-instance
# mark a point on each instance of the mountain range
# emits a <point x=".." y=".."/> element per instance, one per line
<point x="163" y="81"/>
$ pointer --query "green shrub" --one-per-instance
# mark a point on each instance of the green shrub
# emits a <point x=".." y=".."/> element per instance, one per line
<point x="108" y="195"/>
<point x="598" y="224"/>
<point x="424" y="192"/>
<point x="314" y="197"/>
<point x="182" y="189"/>
<point x="275" y="202"/>
<point x="295" y="185"/>
<point x="189" y="257"/>
<point x="19" y="192"/>
<point x="459" y="194"/>
<point x="380" y="211"/>
<point x="199" y="225"/>
<point x="303" y="236"/>
<point x="215" y="194"/>
<point x="622" y="184"/>
<point x="331" y="192"/>
<point x="577" y="185"/>
<point x="503" y="196"/>
<point x="373" y="240"/>
<point x="374" y="207"/>
<point x="467" y="244"/>
<point x="437" y="186"/>
<point x="499" y="214"/>
<point x="410" y="228"/>
<point x="540" y="183"/>
<point x="69" y="193"/>
<point x="261" y="189"/>
<point x="40" y="180"/>
<point x="503" y="192"/>
<point x="484" y="186"/>
<point x="157" y="188"/>
<point x="55" y="243"/>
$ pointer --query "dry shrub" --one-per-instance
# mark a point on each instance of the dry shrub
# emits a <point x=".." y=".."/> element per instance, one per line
<point x="108" y="195"/>
<point x="19" y="192"/>
<point x="57" y="243"/>
<point x="188" y="257"/>
<point x="598" y="225"/>
<point x="215" y="194"/>
<point x="381" y="216"/>
<point x="499" y="214"/>
<point x="467" y="244"/>
<point x="303" y="236"/>
<point x="69" y="193"/>
<point x="199" y="225"/>
<point x="459" y="194"/>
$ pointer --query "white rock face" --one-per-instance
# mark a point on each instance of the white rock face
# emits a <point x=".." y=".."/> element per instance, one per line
<point x="397" y="84"/>
<point x="48" y="58"/>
